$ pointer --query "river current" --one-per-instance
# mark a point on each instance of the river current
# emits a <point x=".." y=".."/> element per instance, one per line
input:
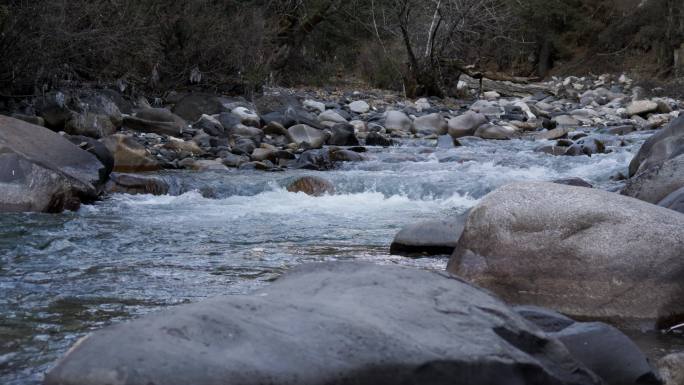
<point x="62" y="276"/>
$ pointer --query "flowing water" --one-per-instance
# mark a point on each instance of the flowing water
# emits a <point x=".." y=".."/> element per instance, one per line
<point x="64" y="275"/>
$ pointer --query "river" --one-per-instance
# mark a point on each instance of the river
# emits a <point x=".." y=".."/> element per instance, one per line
<point x="64" y="275"/>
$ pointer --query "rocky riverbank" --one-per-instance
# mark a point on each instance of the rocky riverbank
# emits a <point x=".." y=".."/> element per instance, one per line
<point x="569" y="246"/>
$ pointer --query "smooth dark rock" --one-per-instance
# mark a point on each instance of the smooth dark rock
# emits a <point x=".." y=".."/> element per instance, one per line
<point x="194" y="105"/>
<point x="96" y="148"/>
<point x="343" y="135"/>
<point x="657" y="182"/>
<point x="156" y="120"/>
<point x="329" y="323"/>
<point x="666" y="144"/>
<point x="436" y="237"/>
<point x="42" y="171"/>
<point x="376" y="139"/>
<point x="584" y="252"/>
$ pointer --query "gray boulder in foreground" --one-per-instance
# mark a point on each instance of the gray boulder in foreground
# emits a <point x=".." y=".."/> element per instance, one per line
<point x="584" y="252"/>
<point x="42" y="171"/>
<point x="329" y="323"/>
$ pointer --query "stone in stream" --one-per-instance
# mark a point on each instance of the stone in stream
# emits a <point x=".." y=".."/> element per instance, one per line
<point x="136" y="184"/>
<point x="490" y="131"/>
<point x="210" y="125"/>
<point x="555" y="133"/>
<point x="376" y="139"/>
<point x="156" y="120"/>
<point x="579" y="182"/>
<point x="343" y="135"/>
<point x="586" y="146"/>
<point x="247" y="117"/>
<point x="466" y="124"/>
<point x="95" y="115"/>
<point x="397" y="121"/>
<point x="431" y="124"/>
<point x="311" y="185"/>
<point x="657" y="182"/>
<point x="329" y="323"/>
<point x="192" y="106"/>
<point x="665" y="144"/>
<point x="42" y="171"/>
<point x="307" y="136"/>
<point x="436" y="237"/>
<point x="129" y="155"/>
<point x="331" y="116"/>
<point x="584" y="252"/>
<point x="96" y="148"/>
<point x="641" y="107"/>
<point x="602" y="348"/>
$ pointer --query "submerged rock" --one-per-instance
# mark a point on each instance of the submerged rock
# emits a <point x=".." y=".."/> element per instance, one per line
<point x="311" y="185"/>
<point x="584" y="252"/>
<point x="42" y="171"/>
<point x="324" y="323"/>
<point x="136" y="184"/>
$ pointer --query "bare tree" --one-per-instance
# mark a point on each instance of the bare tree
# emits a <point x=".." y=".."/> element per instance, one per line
<point x="441" y="36"/>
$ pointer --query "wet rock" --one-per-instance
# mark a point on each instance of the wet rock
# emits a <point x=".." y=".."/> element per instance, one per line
<point x="325" y="159"/>
<point x="565" y="121"/>
<point x="191" y="148"/>
<point x="314" y="105"/>
<point x="447" y="141"/>
<point x="466" y="124"/>
<point x="397" y="121"/>
<point x="90" y="124"/>
<point x="578" y="182"/>
<point x="136" y="184"/>
<point x="243" y="146"/>
<point x="438" y="237"/>
<point x="247" y="117"/>
<point x="307" y="136"/>
<point x="657" y="182"/>
<point x="489" y="131"/>
<point x="129" y="155"/>
<point x="210" y="125"/>
<point x="311" y="185"/>
<point x="596" y="255"/>
<point x="232" y="160"/>
<point x="431" y="124"/>
<point x="376" y="139"/>
<point x="490" y="109"/>
<point x="42" y="171"/>
<point x="228" y="121"/>
<point x="552" y="149"/>
<point x="553" y="134"/>
<point x="156" y="120"/>
<point x="666" y="144"/>
<point x="641" y="107"/>
<point x="359" y="107"/>
<point x="331" y="116"/>
<point x="343" y="135"/>
<point x="602" y="348"/>
<point x="347" y="322"/>
<point x="586" y="146"/>
<point x="672" y="369"/>
<point x="674" y="201"/>
<point x="203" y="164"/>
<point x="52" y="107"/>
<point x="261" y="154"/>
<point x="192" y="106"/>
<point x="96" y="148"/>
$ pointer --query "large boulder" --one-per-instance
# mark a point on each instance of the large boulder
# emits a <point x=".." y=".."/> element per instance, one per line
<point x="584" y="252"/>
<point x="466" y="124"/>
<point x="42" y="171"/>
<point x="397" y="121"/>
<point x="641" y="107"/>
<point x="672" y="368"/>
<point x="156" y="120"/>
<point x="129" y="155"/>
<point x="490" y="131"/>
<point x="657" y="182"/>
<point x="329" y="323"/>
<point x="305" y="135"/>
<point x="431" y="124"/>
<point x="90" y="124"/>
<point x="435" y="237"/>
<point x="192" y="106"/>
<point x="96" y="148"/>
<point x="343" y="135"/>
<point x="666" y="144"/>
